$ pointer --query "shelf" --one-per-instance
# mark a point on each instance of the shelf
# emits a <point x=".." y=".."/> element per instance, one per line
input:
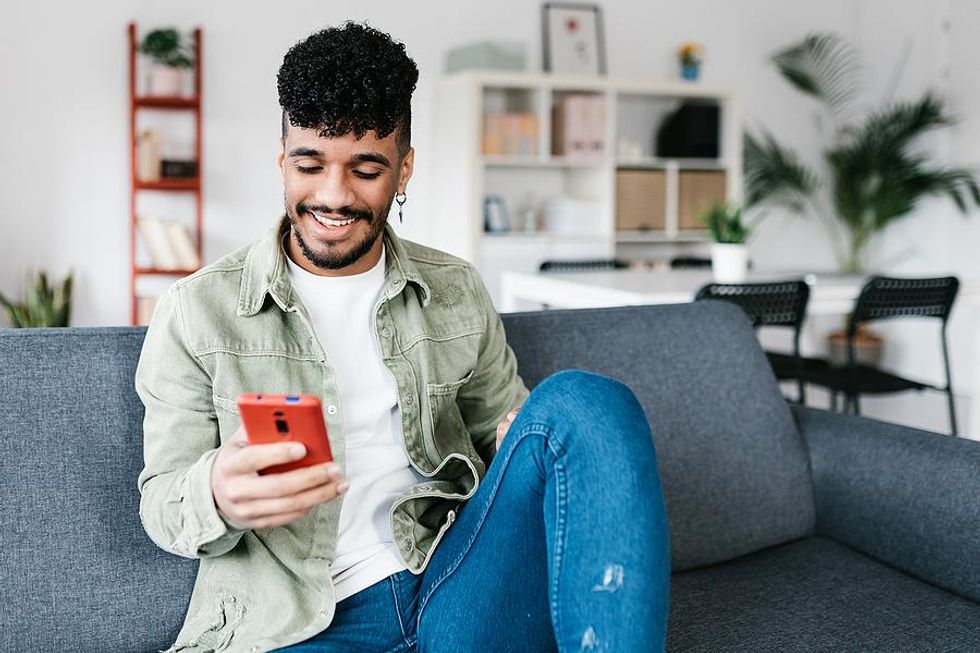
<point x="534" y="161"/>
<point x="655" y="163"/>
<point x="159" y="272"/>
<point x="162" y="102"/>
<point x="541" y="235"/>
<point x="656" y="236"/>
<point x="192" y="184"/>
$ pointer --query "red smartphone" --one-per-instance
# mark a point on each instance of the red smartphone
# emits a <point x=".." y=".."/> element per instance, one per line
<point x="286" y="418"/>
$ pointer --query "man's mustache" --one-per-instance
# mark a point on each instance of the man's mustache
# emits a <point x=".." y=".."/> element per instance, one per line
<point x="346" y="212"/>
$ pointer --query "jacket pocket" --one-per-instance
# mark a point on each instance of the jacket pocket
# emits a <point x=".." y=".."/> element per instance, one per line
<point x="447" y="429"/>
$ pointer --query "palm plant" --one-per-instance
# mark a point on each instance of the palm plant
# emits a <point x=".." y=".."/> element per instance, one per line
<point x="874" y="175"/>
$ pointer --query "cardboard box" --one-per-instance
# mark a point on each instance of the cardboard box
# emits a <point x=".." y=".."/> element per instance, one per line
<point x="641" y="199"/>
<point x="698" y="189"/>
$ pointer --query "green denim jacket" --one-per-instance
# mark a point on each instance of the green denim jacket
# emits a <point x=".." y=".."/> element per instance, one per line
<point x="236" y="326"/>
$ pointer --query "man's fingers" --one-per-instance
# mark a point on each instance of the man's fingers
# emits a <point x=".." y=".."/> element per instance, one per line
<point x="262" y="509"/>
<point x="286" y="484"/>
<point x="259" y="456"/>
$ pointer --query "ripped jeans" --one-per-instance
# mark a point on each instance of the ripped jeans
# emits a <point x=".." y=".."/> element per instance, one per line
<point x="563" y="547"/>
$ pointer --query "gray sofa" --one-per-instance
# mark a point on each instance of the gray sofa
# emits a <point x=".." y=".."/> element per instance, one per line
<point x="792" y="529"/>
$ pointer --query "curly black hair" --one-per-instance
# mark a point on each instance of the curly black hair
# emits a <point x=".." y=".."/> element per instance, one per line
<point x="352" y="78"/>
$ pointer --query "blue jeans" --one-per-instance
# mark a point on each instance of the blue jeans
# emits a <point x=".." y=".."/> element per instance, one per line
<point x="563" y="547"/>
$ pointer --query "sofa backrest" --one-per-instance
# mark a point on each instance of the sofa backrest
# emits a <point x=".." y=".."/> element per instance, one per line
<point x="733" y="466"/>
<point x="79" y="574"/>
<point x="78" y="570"/>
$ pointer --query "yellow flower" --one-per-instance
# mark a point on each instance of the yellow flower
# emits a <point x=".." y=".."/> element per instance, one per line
<point x="690" y="52"/>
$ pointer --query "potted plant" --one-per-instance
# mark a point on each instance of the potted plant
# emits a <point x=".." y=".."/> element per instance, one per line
<point x="43" y="306"/>
<point x="729" y="249"/>
<point x="689" y="56"/>
<point x="873" y="175"/>
<point x="170" y="56"/>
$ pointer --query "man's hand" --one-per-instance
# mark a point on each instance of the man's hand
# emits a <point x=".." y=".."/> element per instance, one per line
<point x="504" y="426"/>
<point x="247" y="500"/>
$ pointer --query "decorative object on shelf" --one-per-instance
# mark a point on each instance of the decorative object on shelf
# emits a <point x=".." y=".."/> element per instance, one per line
<point x="692" y="131"/>
<point x="729" y="251"/>
<point x="170" y="56"/>
<point x="877" y="174"/>
<point x="578" y="125"/>
<point x="148" y="156"/>
<point x="487" y="55"/>
<point x="573" y="39"/>
<point x="495" y="216"/>
<point x="690" y="55"/>
<point x="510" y="134"/>
<point x="568" y="216"/>
<point x="43" y="305"/>
<point x="528" y="213"/>
<point x="176" y="169"/>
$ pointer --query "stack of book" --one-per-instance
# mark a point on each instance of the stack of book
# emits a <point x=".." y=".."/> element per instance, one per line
<point x="579" y="125"/>
<point x="169" y="244"/>
<point x="510" y="134"/>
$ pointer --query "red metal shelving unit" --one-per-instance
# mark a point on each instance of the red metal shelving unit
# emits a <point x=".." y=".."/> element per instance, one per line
<point x="193" y="185"/>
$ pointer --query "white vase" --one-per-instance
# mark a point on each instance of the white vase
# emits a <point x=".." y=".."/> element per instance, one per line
<point x="164" y="81"/>
<point x="729" y="262"/>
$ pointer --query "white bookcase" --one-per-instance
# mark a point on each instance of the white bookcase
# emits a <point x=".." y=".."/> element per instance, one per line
<point x="633" y="112"/>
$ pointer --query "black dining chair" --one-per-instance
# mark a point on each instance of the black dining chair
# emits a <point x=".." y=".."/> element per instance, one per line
<point x="772" y="304"/>
<point x="583" y="265"/>
<point x="690" y="263"/>
<point x="884" y="298"/>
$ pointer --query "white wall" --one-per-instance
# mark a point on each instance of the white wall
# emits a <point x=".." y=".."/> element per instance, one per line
<point x="63" y="117"/>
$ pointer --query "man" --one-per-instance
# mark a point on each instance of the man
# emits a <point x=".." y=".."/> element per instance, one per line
<point x="562" y="542"/>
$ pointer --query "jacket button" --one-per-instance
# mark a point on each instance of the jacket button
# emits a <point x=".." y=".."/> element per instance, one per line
<point x="409" y="399"/>
<point x="386" y="332"/>
<point x="407" y="544"/>
<point x="331" y="410"/>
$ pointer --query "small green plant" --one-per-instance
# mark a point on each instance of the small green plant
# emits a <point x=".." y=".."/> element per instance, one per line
<point x="164" y="46"/>
<point x="724" y="223"/>
<point x="43" y="306"/>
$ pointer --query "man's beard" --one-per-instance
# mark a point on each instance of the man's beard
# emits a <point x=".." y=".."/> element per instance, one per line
<point x="328" y="260"/>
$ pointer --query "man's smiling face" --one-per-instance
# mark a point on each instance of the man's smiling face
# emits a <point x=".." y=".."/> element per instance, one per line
<point x="338" y="191"/>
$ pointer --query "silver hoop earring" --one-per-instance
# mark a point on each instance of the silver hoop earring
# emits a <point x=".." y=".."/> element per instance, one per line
<point x="401" y="198"/>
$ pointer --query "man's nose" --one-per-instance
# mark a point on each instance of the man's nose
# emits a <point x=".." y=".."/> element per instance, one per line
<point x="334" y="190"/>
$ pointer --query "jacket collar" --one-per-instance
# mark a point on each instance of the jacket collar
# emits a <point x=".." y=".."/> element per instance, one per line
<point x="265" y="272"/>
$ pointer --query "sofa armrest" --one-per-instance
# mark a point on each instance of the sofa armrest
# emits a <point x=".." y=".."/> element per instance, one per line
<point x="906" y="497"/>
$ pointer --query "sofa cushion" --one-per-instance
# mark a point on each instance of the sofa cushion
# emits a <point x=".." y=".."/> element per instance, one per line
<point x="82" y="574"/>
<point x="815" y="595"/>
<point x="732" y="463"/>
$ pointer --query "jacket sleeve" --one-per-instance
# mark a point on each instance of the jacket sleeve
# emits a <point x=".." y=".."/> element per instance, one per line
<point x="180" y="441"/>
<point x="495" y="387"/>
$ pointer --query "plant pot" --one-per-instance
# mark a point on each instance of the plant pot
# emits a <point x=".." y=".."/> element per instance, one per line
<point x="165" y="81"/>
<point x="690" y="71"/>
<point x="729" y="262"/>
<point x="868" y="346"/>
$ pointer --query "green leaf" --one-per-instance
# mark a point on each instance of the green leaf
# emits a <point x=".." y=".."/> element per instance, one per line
<point x="823" y="66"/>
<point x="774" y="174"/>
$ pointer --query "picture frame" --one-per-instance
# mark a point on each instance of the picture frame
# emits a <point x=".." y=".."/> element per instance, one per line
<point x="496" y="218"/>
<point x="573" y="39"/>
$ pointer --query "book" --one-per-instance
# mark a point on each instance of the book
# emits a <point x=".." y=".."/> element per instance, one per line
<point x="157" y="241"/>
<point x="144" y="309"/>
<point x="182" y="245"/>
<point x="148" y="156"/>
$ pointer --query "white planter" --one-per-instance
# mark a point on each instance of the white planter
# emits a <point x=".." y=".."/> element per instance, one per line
<point x="164" y="81"/>
<point x="729" y="263"/>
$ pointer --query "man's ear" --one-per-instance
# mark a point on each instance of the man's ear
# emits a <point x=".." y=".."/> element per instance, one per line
<point x="407" y="167"/>
<point x="281" y="159"/>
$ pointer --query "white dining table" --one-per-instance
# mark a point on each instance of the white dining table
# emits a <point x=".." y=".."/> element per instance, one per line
<point x="831" y="293"/>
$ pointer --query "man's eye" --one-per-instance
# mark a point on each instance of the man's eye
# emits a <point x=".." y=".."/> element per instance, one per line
<point x="309" y="170"/>
<point x="366" y="175"/>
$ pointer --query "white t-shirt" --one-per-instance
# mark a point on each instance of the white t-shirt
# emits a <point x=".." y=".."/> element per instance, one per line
<point x="342" y="313"/>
